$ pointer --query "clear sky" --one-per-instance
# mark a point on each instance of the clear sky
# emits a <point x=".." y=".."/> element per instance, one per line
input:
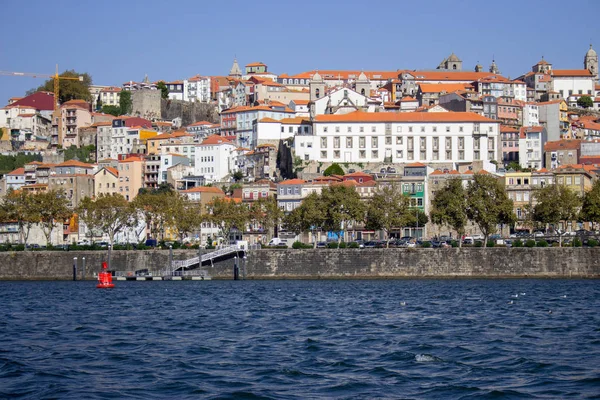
<point x="117" y="41"/>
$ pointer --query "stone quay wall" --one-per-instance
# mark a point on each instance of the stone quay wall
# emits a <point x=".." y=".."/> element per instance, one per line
<point x="325" y="263"/>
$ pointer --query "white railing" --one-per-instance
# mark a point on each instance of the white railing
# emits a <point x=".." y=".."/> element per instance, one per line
<point x="177" y="264"/>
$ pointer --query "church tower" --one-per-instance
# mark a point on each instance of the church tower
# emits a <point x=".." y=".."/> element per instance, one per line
<point x="235" y="71"/>
<point x="590" y="62"/>
<point x="363" y="85"/>
<point x="316" y="87"/>
<point x="494" y="68"/>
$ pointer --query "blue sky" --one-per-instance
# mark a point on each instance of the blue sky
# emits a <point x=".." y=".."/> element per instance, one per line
<point x="117" y="41"/>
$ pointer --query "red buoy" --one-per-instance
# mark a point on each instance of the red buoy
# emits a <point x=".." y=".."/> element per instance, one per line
<point x="105" y="278"/>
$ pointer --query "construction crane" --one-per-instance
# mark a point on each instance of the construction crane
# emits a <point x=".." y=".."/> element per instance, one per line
<point x="57" y="78"/>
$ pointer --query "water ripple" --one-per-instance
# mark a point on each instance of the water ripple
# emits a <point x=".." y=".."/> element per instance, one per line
<point x="459" y="339"/>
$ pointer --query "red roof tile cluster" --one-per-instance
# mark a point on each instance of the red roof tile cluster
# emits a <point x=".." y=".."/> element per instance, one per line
<point x="41" y="101"/>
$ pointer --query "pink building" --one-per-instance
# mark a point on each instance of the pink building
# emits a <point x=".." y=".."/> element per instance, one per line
<point x="75" y="115"/>
<point x="509" y="137"/>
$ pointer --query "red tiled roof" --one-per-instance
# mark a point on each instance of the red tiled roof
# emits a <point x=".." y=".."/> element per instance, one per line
<point x="74" y="163"/>
<point x="360" y="116"/>
<point x="570" y="72"/>
<point x="215" y="139"/>
<point x="564" y="144"/>
<point x="18" y="171"/>
<point x="293" y="182"/>
<point x="200" y="123"/>
<point x="416" y="164"/>
<point x="442" y="87"/>
<point x="39" y="100"/>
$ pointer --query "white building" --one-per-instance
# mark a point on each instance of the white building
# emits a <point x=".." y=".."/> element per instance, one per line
<point x="110" y="96"/>
<point x="300" y="107"/>
<point x="532" y="140"/>
<point x="169" y="160"/>
<point x="432" y="137"/>
<point x="15" y="179"/>
<point x="197" y="88"/>
<point x="268" y="130"/>
<point x="343" y="101"/>
<point x="531" y="114"/>
<point x="213" y="158"/>
<point x="572" y="81"/>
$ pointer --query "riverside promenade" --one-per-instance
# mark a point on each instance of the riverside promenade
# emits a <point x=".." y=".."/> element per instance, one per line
<point x="323" y="263"/>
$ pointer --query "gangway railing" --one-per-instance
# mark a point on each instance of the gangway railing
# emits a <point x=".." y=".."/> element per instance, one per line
<point x="182" y="264"/>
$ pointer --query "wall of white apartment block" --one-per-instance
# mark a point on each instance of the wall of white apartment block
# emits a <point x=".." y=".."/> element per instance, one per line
<point x="573" y="85"/>
<point x="377" y="141"/>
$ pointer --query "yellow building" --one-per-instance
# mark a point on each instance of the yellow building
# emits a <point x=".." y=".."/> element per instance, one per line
<point x="131" y="177"/>
<point x="106" y="181"/>
<point x="518" y="187"/>
<point x="577" y="177"/>
<point x="154" y="143"/>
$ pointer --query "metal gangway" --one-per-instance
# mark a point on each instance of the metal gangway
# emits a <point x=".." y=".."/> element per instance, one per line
<point x="223" y="251"/>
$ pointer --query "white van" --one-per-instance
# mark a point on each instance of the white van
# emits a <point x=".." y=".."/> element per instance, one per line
<point x="277" y="242"/>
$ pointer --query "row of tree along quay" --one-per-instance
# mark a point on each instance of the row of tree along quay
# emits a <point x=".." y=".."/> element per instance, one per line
<point x="337" y="208"/>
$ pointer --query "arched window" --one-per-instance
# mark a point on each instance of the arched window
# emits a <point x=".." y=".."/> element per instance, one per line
<point x="317" y="93"/>
<point x="453" y="66"/>
<point x="296" y="81"/>
<point x="362" y="91"/>
<point x="285" y="81"/>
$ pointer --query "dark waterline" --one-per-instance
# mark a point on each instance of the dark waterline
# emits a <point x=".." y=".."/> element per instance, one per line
<point x="446" y="339"/>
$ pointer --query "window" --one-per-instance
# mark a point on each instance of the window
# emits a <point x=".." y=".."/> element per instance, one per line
<point x="476" y="155"/>
<point x="361" y="142"/>
<point x="374" y="142"/>
<point x="388" y="140"/>
<point x="324" y="129"/>
<point x="569" y="180"/>
<point x="349" y="129"/>
<point x="373" y="129"/>
<point x="410" y="129"/>
<point x="411" y="155"/>
<point x="399" y="140"/>
<point x="323" y="142"/>
<point x="461" y="155"/>
<point x="436" y="155"/>
<point x="460" y="128"/>
<point x="362" y="154"/>
<point x="490" y="143"/>
<point x="374" y="154"/>
<point x="422" y="129"/>
<point x="399" y="129"/>
<point x="336" y="154"/>
<point x="323" y="154"/>
<point x="336" y="142"/>
<point x="435" y="129"/>
<point x="423" y="156"/>
<point x="447" y="129"/>
<point x="361" y="129"/>
<point x="348" y="142"/>
<point x="461" y="143"/>
<point x="448" y="143"/>
<point x="399" y="154"/>
<point x="337" y="129"/>
<point x="577" y="180"/>
<point x="423" y="142"/>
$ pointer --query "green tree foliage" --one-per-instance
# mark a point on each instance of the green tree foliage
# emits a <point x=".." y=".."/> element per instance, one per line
<point x="420" y="219"/>
<point x="342" y="206"/>
<point x="108" y="213"/>
<point x="164" y="90"/>
<point x="590" y="207"/>
<point x="185" y="217"/>
<point x="266" y="213"/>
<point x="19" y="206"/>
<point x="10" y="163"/>
<point x="154" y="206"/>
<point x="389" y="209"/>
<point x="556" y="203"/>
<point x="333" y="169"/>
<point x="449" y="207"/>
<point x="488" y="205"/>
<point x="99" y="103"/>
<point x="83" y="154"/>
<point x="238" y="175"/>
<point x="53" y="208"/>
<point x="585" y="102"/>
<point x="125" y="102"/>
<point x="112" y="110"/>
<point x="227" y="214"/>
<point x="70" y="89"/>
<point x="514" y="165"/>
<point x="309" y="216"/>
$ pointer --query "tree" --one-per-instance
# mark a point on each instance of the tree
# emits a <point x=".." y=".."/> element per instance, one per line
<point x="112" y="110"/>
<point x="109" y="214"/>
<point x="309" y="216"/>
<point x="342" y="205"/>
<point x="449" y="207"/>
<point x="164" y="90"/>
<point x="155" y="207"/>
<point x="185" y="216"/>
<point x="585" y="102"/>
<point x="333" y="169"/>
<point x="125" y="102"/>
<point x="554" y="204"/>
<point x="389" y="208"/>
<point x="590" y="208"/>
<point x="227" y="214"/>
<point x="267" y="214"/>
<point x="488" y="205"/>
<point x="238" y="175"/>
<point x="514" y="165"/>
<point x="52" y="207"/>
<point x="70" y="89"/>
<point x="18" y="206"/>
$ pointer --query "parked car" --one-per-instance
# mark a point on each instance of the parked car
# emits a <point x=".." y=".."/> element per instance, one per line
<point x="468" y="240"/>
<point x="370" y="244"/>
<point x="351" y="171"/>
<point x="277" y="242"/>
<point x="83" y="242"/>
<point x="151" y="242"/>
<point x="478" y="237"/>
<point x="321" y="245"/>
<point x="102" y="245"/>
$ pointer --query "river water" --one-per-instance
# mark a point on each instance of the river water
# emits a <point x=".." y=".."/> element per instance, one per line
<point x="447" y="339"/>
